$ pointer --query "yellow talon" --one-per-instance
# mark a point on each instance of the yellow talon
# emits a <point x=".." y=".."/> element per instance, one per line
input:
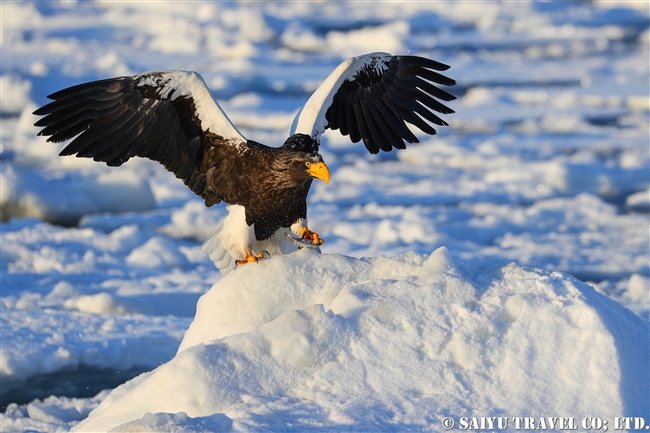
<point x="305" y="233"/>
<point x="252" y="258"/>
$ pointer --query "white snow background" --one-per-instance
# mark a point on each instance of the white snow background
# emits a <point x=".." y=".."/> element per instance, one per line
<point x="507" y="262"/>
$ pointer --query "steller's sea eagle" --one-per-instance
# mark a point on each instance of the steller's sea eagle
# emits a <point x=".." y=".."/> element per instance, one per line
<point x="170" y="117"/>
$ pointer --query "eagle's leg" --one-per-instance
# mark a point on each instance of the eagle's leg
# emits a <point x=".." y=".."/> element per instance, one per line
<point x="305" y="233"/>
<point x="252" y="258"/>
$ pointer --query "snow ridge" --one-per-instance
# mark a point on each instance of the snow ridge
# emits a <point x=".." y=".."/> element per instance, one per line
<point x="308" y="340"/>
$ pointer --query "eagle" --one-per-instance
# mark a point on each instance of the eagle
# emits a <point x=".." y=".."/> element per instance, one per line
<point x="171" y="117"/>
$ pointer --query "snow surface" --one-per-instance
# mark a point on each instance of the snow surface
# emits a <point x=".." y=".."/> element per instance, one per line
<point x="546" y="164"/>
<point x="309" y="341"/>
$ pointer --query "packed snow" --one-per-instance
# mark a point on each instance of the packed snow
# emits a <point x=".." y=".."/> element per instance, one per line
<point x="539" y="192"/>
<point x="310" y="341"/>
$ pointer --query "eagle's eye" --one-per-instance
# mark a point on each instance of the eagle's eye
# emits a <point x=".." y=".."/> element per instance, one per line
<point x="308" y="164"/>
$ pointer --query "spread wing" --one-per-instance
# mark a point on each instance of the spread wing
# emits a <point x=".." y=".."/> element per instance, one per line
<point x="169" y="117"/>
<point x="372" y="97"/>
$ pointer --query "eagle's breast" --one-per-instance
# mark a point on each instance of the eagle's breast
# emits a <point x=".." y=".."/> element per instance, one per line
<point x="248" y="176"/>
<point x="276" y="208"/>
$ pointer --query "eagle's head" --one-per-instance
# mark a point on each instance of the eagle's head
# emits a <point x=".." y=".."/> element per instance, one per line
<point x="301" y="143"/>
<point x="301" y="159"/>
<point x="297" y="168"/>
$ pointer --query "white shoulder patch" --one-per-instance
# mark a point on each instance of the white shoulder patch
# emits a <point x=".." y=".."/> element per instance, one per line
<point x="175" y="84"/>
<point x="311" y="118"/>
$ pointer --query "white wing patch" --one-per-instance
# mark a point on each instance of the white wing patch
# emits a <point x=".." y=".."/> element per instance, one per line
<point x="311" y="119"/>
<point x="175" y="84"/>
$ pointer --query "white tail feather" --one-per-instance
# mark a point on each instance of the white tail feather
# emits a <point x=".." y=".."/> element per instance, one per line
<point x="221" y="257"/>
<point x="231" y="240"/>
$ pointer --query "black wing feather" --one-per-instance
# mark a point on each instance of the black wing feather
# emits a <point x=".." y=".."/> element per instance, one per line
<point x="396" y="123"/>
<point x="103" y="87"/>
<point x="430" y="75"/>
<point x="115" y="119"/>
<point x="342" y="108"/>
<point x="353" y="127"/>
<point x="408" y="115"/>
<point x="377" y="103"/>
<point x="363" y="129"/>
<point x="433" y="90"/>
<point x="386" y="131"/>
<point x="424" y="62"/>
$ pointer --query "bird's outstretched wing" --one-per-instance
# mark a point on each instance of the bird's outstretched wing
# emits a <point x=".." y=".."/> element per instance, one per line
<point x="370" y="97"/>
<point x="169" y="117"/>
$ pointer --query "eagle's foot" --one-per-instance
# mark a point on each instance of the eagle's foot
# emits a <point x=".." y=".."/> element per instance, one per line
<point x="253" y="258"/>
<point x="315" y="239"/>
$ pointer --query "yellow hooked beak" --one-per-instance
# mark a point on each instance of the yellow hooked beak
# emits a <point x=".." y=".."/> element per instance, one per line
<point x="319" y="170"/>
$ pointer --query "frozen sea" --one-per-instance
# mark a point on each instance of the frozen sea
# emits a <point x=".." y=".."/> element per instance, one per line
<point x="542" y="175"/>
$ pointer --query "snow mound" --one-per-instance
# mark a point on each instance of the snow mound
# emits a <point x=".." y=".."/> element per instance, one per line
<point x="307" y="341"/>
